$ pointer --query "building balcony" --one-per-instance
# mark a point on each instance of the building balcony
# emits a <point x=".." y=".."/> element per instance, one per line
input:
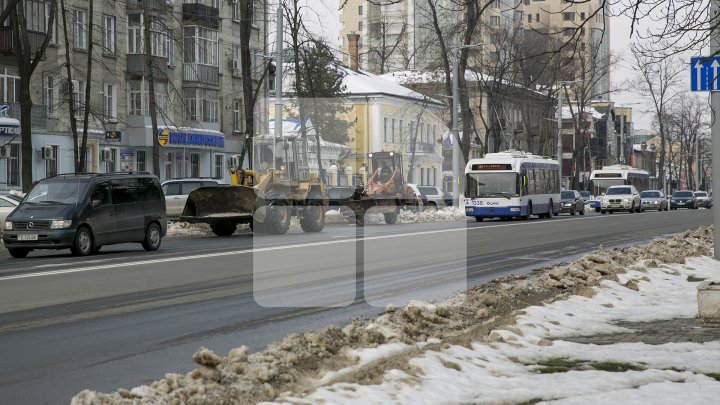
<point x="201" y="14"/>
<point x="7" y="44"/>
<point x="422" y="148"/>
<point x="137" y="65"/>
<point x="201" y="74"/>
<point x="154" y="5"/>
<point x="39" y="114"/>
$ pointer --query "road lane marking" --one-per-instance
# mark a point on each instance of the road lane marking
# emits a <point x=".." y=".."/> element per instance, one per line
<point x="274" y="248"/>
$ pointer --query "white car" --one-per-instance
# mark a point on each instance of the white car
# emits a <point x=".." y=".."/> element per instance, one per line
<point x="176" y="193"/>
<point x="8" y="202"/>
<point x="621" y="198"/>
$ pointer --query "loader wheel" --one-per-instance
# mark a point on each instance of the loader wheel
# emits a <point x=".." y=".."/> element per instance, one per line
<point x="313" y="217"/>
<point x="223" y="229"/>
<point x="277" y="217"/>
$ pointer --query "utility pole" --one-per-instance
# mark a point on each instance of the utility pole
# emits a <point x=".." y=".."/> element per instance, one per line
<point x="278" y="82"/>
<point x="697" y="163"/>
<point x="715" y="128"/>
<point x="559" y="127"/>
<point x="622" y="139"/>
<point x="456" y="136"/>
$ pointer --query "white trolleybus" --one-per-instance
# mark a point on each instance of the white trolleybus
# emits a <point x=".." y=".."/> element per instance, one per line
<point x="512" y="184"/>
<point x="620" y="175"/>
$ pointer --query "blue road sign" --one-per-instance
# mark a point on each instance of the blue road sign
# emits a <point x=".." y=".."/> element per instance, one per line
<point x="705" y="73"/>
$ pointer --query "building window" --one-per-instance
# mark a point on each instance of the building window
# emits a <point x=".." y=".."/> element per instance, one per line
<point x="135" y="98"/>
<point x="401" y="130"/>
<point x="194" y="165"/>
<point x="582" y="16"/>
<point x="135" y="33"/>
<point x="209" y="3"/>
<point x="219" y="166"/>
<point x="392" y="130"/>
<point x="168" y="158"/>
<point x="110" y="164"/>
<point x="109" y="34"/>
<point x="570" y="16"/>
<point x="360" y="10"/>
<point x="54" y="28"/>
<point x="201" y="46"/>
<point x="51" y="95"/>
<point x="51" y="165"/>
<point x="236" y="10"/>
<point x="139" y="98"/>
<point x="110" y="100"/>
<point x="201" y="105"/>
<point x="495" y="20"/>
<point x="529" y="18"/>
<point x="582" y="30"/>
<point x="35" y="15"/>
<point x="80" y="29"/>
<point x="422" y="132"/>
<point x="360" y="26"/>
<point x="13" y="165"/>
<point x="79" y="97"/>
<point x="537" y="17"/>
<point x="238" y="121"/>
<point x="385" y="129"/>
<point x="141" y="162"/>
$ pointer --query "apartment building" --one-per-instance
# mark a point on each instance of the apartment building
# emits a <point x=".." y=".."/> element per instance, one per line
<point x="593" y="22"/>
<point x="198" y="86"/>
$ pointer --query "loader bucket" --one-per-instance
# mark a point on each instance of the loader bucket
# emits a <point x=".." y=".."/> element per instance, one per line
<point x="220" y="202"/>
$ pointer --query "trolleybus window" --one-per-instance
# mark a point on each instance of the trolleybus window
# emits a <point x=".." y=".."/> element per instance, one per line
<point x="492" y="184"/>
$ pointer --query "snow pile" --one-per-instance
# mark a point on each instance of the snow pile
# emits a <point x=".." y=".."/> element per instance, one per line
<point x="432" y="215"/>
<point x="429" y="353"/>
<point x="185" y="229"/>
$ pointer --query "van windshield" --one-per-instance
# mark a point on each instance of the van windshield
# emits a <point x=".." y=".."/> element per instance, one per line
<point x="57" y="191"/>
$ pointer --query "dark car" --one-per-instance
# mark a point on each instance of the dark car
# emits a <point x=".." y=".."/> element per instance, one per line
<point x="571" y="202"/>
<point x="86" y="211"/>
<point x="683" y="199"/>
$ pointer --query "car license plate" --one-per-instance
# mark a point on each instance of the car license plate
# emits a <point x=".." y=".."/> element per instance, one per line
<point x="28" y="236"/>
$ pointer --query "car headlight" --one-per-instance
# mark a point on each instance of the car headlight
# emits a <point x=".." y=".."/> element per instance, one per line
<point x="60" y="223"/>
<point x="626" y="200"/>
<point x="8" y="225"/>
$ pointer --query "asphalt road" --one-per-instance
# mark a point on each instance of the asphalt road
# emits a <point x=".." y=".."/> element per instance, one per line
<point x="125" y="317"/>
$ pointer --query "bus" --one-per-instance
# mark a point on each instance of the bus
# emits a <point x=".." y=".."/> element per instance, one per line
<point x="512" y="184"/>
<point x="620" y="175"/>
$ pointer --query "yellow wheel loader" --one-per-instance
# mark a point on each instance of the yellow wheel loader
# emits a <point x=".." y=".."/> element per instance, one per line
<point x="265" y="198"/>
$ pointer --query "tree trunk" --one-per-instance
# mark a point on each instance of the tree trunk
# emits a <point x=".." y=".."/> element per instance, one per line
<point x="71" y="103"/>
<point x="147" y="25"/>
<point x="88" y="78"/>
<point x="246" y="12"/>
<point x="26" y="147"/>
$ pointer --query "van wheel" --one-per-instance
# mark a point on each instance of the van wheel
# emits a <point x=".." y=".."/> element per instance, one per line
<point x="153" y="237"/>
<point x="18" y="253"/>
<point x="84" y="244"/>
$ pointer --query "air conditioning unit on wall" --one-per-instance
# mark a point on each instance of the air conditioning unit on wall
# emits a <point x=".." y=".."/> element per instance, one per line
<point x="107" y="155"/>
<point x="47" y="153"/>
<point x="5" y="152"/>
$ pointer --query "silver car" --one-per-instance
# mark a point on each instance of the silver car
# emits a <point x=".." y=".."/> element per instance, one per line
<point x="621" y="198"/>
<point x="703" y="199"/>
<point x="176" y="193"/>
<point x="654" y="200"/>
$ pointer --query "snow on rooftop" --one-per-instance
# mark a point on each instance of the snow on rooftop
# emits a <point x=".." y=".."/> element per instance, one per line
<point x="362" y="82"/>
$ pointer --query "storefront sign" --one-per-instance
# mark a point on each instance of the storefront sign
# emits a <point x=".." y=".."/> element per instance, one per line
<point x="113" y="136"/>
<point x="127" y="153"/>
<point x="9" y="126"/>
<point x="173" y="138"/>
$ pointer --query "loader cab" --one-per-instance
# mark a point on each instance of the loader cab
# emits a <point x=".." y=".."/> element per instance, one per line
<point x="387" y="162"/>
<point x="289" y="159"/>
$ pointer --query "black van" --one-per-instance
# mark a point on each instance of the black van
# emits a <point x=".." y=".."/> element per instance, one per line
<point x="83" y="212"/>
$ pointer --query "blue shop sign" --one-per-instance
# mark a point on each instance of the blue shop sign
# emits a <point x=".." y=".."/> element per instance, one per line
<point x="9" y="126"/>
<point x="167" y="137"/>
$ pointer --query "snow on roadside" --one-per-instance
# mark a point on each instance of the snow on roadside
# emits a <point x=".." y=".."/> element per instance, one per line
<point x="505" y="368"/>
<point x="186" y="230"/>
<point x="471" y="348"/>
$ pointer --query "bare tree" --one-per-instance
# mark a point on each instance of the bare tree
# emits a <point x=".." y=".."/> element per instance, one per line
<point x="386" y="43"/>
<point x="27" y="59"/>
<point x="687" y="126"/>
<point x="659" y="82"/>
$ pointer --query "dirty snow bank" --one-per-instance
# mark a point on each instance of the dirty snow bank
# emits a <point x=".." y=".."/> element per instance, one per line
<point x="404" y="217"/>
<point x="184" y="229"/>
<point x="462" y="342"/>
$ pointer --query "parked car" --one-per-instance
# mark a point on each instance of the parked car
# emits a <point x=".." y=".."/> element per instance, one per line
<point x="423" y="201"/>
<point x="653" y="200"/>
<point x="83" y="212"/>
<point x="620" y="198"/>
<point x="703" y="199"/>
<point x="8" y="202"/>
<point x="176" y="193"/>
<point x="683" y="199"/>
<point x="436" y="196"/>
<point x="586" y="196"/>
<point x="572" y="202"/>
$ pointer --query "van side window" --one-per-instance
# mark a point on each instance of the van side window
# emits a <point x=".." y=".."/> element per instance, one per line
<point x="150" y="189"/>
<point x="101" y="194"/>
<point x="125" y="191"/>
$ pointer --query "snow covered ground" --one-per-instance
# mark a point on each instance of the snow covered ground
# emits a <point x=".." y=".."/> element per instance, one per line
<point x="514" y="365"/>
<point x="505" y="342"/>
